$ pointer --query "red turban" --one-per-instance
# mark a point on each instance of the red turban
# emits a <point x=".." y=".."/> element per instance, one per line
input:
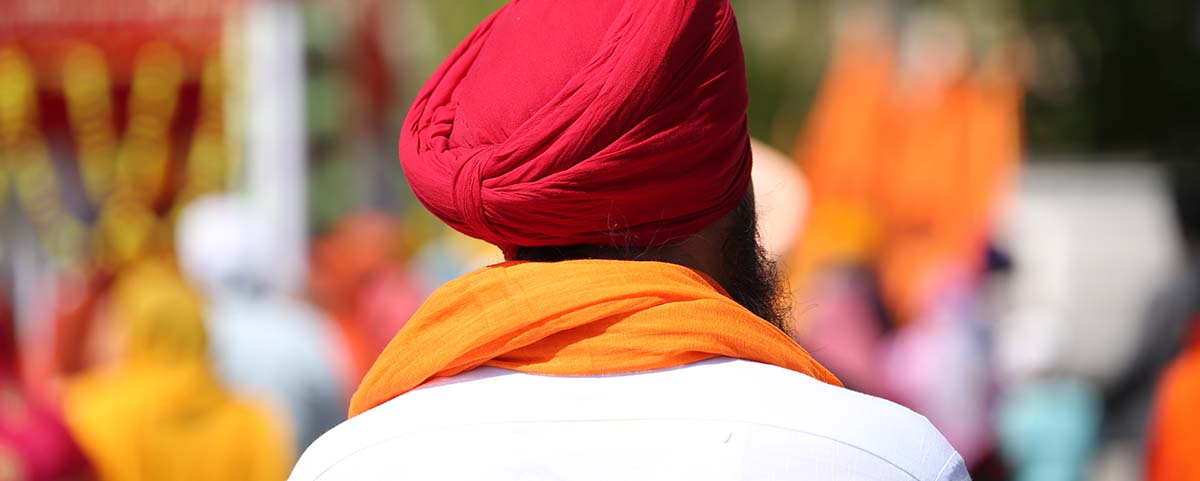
<point x="585" y="123"/>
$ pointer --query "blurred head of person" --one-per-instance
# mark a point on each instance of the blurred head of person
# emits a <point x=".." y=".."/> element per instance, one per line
<point x="221" y="247"/>
<point x="935" y="50"/>
<point x="782" y="199"/>
<point x="357" y="248"/>
<point x="159" y="316"/>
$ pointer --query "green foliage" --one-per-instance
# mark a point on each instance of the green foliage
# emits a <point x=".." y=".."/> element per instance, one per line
<point x="1138" y="81"/>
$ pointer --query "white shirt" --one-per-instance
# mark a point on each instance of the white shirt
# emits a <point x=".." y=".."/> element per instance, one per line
<point x="722" y="419"/>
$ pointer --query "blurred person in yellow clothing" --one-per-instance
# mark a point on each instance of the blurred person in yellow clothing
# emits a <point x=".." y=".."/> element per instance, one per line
<point x="159" y="413"/>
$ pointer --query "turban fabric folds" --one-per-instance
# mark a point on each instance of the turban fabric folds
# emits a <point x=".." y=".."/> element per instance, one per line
<point x="616" y="123"/>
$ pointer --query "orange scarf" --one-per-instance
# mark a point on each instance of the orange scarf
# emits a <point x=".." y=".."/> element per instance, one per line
<point x="584" y="317"/>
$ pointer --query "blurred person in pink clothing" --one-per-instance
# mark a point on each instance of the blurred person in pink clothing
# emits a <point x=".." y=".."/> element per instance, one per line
<point x="34" y="443"/>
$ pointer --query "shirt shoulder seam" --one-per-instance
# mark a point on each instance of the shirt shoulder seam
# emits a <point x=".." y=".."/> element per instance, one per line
<point x="949" y="460"/>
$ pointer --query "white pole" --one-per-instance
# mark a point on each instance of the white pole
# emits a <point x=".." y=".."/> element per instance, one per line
<point x="276" y="179"/>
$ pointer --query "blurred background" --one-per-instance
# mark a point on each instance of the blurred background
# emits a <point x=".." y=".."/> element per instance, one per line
<point x="987" y="210"/>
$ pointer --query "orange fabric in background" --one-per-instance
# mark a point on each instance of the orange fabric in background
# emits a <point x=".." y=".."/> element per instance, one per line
<point x="360" y="249"/>
<point x="1171" y="451"/>
<point x="955" y="159"/>
<point x="918" y="187"/>
<point x="839" y="157"/>
<point x="583" y="317"/>
<point x="837" y="151"/>
<point x="994" y="148"/>
<point x="906" y="175"/>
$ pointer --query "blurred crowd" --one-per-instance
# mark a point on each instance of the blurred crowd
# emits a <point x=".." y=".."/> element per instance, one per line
<point x="1040" y="312"/>
<point x="1016" y="310"/>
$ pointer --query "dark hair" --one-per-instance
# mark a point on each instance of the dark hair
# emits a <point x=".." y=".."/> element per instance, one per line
<point x="627" y="251"/>
<point x="575" y="252"/>
<point x="752" y="279"/>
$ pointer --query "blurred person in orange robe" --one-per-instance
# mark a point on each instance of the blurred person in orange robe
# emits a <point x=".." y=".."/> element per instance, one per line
<point x="837" y="151"/>
<point x="1173" y="329"/>
<point x="909" y="150"/>
<point x="952" y="140"/>
<point x="359" y="280"/>
<point x="160" y="412"/>
<point x="1175" y="427"/>
<point x="952" y="145"/>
